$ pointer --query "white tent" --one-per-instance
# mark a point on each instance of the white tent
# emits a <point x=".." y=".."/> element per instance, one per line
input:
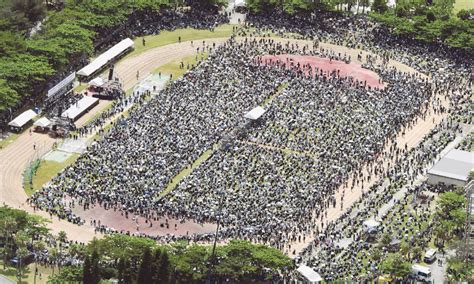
<point x="106" y="57"/>
<point x="77" y="109"/>
<point x="370" y="225"/>
<point x="255" y="113"/>
<point x="309" y="274"/>
<point x="97" y="82"/>
<point x="239" y="3"/>
<point x="23" y="118"/>
<point x="43" y="122"/>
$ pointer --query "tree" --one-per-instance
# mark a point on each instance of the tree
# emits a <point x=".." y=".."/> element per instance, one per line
<point x="87" y="272"/>
<point x="37" y="246"/>
<point x="9" y="96"/>
<point x="395" y="266"/>
<point x="145" y="273"/>
<point x="163" y="273"/>
<point x="69" y="274"/>
<point x="379" y="6"/>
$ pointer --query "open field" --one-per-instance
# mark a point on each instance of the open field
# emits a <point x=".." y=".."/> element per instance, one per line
<point x="46" y="171"/>
<point x="463" y="4"/>
<point x="169" y="37"/>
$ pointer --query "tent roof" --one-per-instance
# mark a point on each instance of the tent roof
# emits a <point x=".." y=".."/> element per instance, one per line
<point x="255" y="113"/>
<point x="371" y="223"/>
<point x="239" y="3"/>
<point x="105" y="57"/>
<point x="43" y="122"/>
<point x="75" y="109"/>
<point x="23" y="118"/>
<point x="308" y="273"/>
<point x="97" y="82"/>
<point x="456" y="164"/>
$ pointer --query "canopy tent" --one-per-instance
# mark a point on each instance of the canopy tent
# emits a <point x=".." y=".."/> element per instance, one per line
<point x="62" y="87"/>
<point x="97" y="82"/>
<point x="43" y="122"/>
<point x="78" y="109"/>
<point x="240" y="3"/>
<point x="23" y="119"/>
<point x="370" y="225"/>
<point x="106" y="57"/>
<point x="309" y="274"/>
<point x="255" y="113"/>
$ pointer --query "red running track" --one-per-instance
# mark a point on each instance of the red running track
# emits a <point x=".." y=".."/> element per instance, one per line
<point x="353" y="70"/>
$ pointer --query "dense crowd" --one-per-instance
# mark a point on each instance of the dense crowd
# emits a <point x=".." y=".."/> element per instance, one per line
<point x="271" y="182"/>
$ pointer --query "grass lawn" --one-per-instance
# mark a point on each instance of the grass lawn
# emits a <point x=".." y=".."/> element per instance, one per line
<point x="201" y="159"/>
<point x="169" y="37"/>
<point x="46" y="171"/>
<point x="5" y="142"/>
<point x="173" y="67"/>
<point x="28" y="277"/>
<point x="463" y="4"/>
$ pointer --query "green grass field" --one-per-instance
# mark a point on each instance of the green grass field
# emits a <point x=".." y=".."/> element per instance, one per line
<point x="10" y="273"/>
<point x="5" y="142"/>
<point x="46" y="171"/>
<point x="173" y="67"/>
<point x="463" y="4"/>
<point x="169" y="37"/>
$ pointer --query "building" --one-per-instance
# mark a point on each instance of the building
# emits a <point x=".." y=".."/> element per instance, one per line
<point x="452" y="169"/>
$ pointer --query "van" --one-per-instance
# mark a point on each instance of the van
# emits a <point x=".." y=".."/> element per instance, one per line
<point x="430" y="256"/>
<point x="421" y="273"/>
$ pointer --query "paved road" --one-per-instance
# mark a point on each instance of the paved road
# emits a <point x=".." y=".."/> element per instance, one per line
<point x="5" y="280"/>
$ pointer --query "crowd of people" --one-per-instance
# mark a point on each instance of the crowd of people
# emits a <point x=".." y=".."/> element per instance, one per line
<point x="271" y="182"/>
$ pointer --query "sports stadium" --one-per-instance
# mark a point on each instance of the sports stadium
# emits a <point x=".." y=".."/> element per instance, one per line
<point x="212" y="141"/>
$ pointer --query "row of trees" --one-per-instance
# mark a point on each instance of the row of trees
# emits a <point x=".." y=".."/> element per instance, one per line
<point x="28" y="60"/>
<point x="20" y="232"/>
<point x="140" y="260"/>
<point x="431" y="23"/>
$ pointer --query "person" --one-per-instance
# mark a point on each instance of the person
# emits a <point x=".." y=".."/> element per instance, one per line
<point x="143" y="41"/>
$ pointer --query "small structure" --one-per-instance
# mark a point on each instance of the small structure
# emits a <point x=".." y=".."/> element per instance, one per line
<point x="97" y="82"/>
<point x="75" y="111"/>
<point x="42" y="125"/>
<point x="22" y="120"/>
<point x="452" y="169"/>
<point x="255" y="113"/>
<point x="240" y="3"/>
<point x="370" y="226"/>
<point x="309" y="274"/>
<point x="111" y="55"/>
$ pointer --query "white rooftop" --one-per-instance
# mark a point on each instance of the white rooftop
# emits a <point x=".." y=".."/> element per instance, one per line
<point x="255" y="113"/>
<point x="456" y="164"/>
<point x="43" y="122"/>
<point x="74" y="110"/>
<point x="308" y="273"/>
<point x="23" y="118"/>
<point x="371" y="223"/>
<point x="106" y="57"/>
<point x="97" y="82"/>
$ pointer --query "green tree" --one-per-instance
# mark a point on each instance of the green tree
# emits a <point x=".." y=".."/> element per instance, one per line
<point x="144" y="273"/>
<point x="379" y="6"/>
<point x="395" y="266"/>
<point x="69" y="274"/>
<point x="163" y="273"/>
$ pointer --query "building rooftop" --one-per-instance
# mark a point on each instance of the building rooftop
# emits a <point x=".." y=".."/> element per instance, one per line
<point x="456" y="164"/>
